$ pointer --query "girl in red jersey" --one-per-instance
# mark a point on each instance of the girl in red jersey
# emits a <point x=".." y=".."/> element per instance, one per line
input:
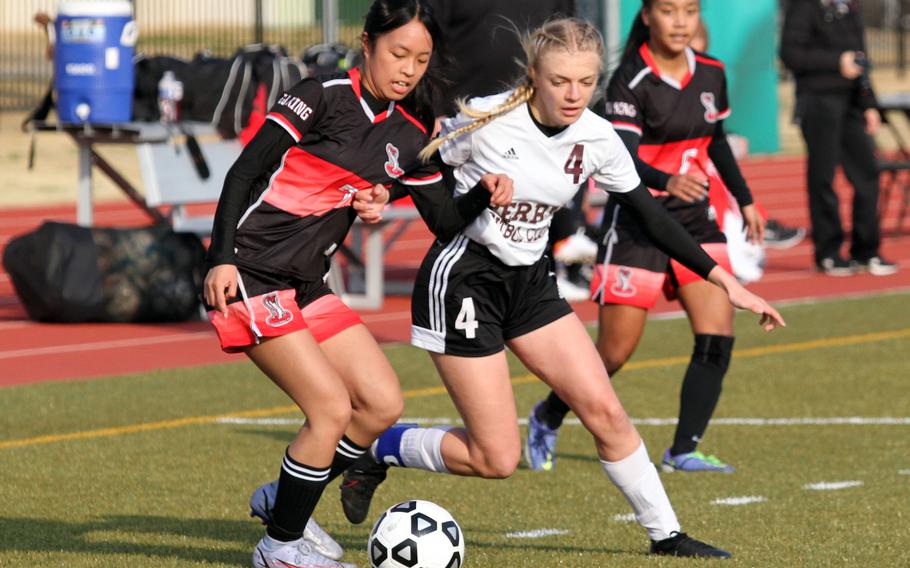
<point x="286" y="206"/>
<point x="668" y="103"/>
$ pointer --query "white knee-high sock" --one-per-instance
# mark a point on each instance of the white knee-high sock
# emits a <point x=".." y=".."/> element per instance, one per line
<point x="422" y="448"/>
<point x="406" y="445"/>
<point x="637" y="478"/>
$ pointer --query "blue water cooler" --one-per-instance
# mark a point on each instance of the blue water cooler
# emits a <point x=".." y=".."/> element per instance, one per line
<point x="93" y="61"/>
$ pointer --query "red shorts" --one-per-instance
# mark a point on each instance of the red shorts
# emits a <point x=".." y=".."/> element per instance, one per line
<point x="261" y="312"/>
<point x="632" y="271"/>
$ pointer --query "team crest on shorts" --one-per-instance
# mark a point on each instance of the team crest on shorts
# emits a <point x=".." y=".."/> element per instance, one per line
<point x="711" y="114"/>
<point x="391" y="167"/>
<point x="623" y="286"/>
<point x="278" y="316"/>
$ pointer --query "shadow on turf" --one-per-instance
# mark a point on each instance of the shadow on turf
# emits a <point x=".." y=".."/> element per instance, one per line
<point x="590" y="458"/>
<point x="42" y="535"/>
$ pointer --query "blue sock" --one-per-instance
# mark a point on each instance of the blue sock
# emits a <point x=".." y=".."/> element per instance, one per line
<point x="388" y="445"/>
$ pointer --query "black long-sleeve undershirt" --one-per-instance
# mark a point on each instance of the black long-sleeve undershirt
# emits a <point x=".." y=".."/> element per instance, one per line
<point x="456" y="212"/>
<point x="718" y="150"/>
<point x="261" y="155"/>
<point x="722" y="155"/>
<point x="665" y="231"/>
<point x="445" y="215"/>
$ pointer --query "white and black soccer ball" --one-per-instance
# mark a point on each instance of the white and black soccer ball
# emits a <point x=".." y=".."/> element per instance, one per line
<point x="416" y="534"/>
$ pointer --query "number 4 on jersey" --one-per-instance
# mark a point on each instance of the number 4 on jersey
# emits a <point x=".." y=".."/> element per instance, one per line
<point x="574" y="163"/>
<point x="465" y="320"/>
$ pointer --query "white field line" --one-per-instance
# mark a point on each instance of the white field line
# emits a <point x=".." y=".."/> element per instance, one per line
<point x="624" y="518"/>
<point x="815" y="300"/>
<point x="904" y="472"/>
<point x="99" y="345"/>
<point x="367" y="318"/>
<point x="832" y="485"/>
<point x="536" y="533"/>
<point x="797" y="421"/>
<point x="746" y="500"/>
<point x="803" y="273"/>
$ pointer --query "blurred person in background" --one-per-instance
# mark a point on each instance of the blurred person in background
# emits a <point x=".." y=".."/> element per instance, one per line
<point x="823" y="46"/>
<point x="747" y="258"/>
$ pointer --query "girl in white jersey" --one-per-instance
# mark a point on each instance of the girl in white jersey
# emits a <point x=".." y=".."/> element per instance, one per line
<point x="491" y="286"/>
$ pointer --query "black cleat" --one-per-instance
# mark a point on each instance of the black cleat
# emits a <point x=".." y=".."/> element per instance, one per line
<point x="358" y="484"/>
<point x="681" y="544"/>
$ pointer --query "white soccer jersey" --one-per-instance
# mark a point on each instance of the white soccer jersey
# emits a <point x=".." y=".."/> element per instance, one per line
<point x="546" y="171"/>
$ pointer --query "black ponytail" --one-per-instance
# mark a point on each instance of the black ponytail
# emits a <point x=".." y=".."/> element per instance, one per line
<point x="385" y="16"/>
<point x="639" y="33"/>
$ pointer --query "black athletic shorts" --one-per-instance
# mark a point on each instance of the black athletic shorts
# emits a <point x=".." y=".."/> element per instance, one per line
<point x="467" y="302"/>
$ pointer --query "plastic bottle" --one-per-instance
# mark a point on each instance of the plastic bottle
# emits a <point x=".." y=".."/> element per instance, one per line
<point x="170" y="93"/>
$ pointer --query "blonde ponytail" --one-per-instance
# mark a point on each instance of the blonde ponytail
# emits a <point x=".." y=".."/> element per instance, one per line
<point x="570" y="34"/>
<point x="522" y="94"/>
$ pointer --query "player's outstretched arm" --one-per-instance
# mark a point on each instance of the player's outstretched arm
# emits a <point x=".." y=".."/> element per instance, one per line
<point x="669" y="236"/>
<point x="746" y="300"/>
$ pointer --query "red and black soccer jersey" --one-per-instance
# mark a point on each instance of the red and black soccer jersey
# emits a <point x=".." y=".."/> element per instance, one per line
<point x="297" y="196"/>
<point x="676" y="121"/>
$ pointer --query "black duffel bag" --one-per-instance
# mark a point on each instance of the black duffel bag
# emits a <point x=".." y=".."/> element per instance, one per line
<point x="67" y="273"/>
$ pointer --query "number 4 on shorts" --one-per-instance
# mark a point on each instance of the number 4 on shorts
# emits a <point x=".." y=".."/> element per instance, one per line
<point x="465" y="320"/>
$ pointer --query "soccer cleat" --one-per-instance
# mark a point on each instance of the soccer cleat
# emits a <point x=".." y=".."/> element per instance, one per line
<point x="540" y="446"/>
<point x="681" y="544"/>
<point x="575" y="249"/>
<point x="295" y="554"/>
<point x="835" y="266"/>
<point x="876" y="266"/>
<point x="261" y="502"/>
<point x="693" y="461"/>
<point x="358" y="484"/>
<point x="780" y="236"/>
<point x="570" y="291"/>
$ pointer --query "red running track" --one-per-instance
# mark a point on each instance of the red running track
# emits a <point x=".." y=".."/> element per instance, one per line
<point x="31" y="352"/>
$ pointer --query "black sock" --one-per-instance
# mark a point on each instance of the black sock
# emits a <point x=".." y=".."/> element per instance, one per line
<point x="552" y="411"/>
<point x="701" y="389"/>
<point x="346" y="453"/>
<point x="299" y="489"/>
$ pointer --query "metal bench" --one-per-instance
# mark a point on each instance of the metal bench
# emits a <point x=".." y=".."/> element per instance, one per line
<point x="171" y="179"/>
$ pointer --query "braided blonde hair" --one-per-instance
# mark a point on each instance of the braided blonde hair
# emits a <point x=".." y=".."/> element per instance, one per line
<point x="573" y="35"/>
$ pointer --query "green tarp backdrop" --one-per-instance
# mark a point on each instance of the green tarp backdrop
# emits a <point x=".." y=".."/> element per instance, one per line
<point x="743" y="34"/>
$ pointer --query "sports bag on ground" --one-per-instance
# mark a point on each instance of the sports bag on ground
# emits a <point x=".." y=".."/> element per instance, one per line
<point x="67" y="273"/>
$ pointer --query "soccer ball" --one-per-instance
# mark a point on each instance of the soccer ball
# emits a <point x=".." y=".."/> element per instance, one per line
<point x="416" y="534"/>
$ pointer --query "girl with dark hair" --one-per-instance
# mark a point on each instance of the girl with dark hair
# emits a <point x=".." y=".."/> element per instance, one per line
<point x="328" y="146"/>
<point x="491" y="286"/>
<point x="667" y="103"/>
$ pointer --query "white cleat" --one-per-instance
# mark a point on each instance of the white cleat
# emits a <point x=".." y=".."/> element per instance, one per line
<point x="570" y="291"/>
<point x="321" y="541"/>
<point x="576" y="249"/>
<point x="261" y="502"/>
<point x="295" y="554"/>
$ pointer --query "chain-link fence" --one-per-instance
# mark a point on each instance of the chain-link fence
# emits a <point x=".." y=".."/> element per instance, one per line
<point x="183" y="28"/>
<point x="887" y="31"/>
<point x="178" y="28"/>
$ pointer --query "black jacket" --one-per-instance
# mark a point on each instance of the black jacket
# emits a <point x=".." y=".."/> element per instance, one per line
<point x="815" y="34"/>
<point x="482" y="43"/>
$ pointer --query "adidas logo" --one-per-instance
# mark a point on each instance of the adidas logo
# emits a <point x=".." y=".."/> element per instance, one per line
<point x="510" y="154"/>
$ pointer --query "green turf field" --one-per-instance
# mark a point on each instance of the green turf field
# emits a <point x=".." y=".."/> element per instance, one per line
<point x="138" y="471"/>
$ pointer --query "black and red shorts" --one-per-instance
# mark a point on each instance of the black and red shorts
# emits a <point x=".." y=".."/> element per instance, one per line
<point x="270" y="305"/>
<point x="632" y="271"/>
